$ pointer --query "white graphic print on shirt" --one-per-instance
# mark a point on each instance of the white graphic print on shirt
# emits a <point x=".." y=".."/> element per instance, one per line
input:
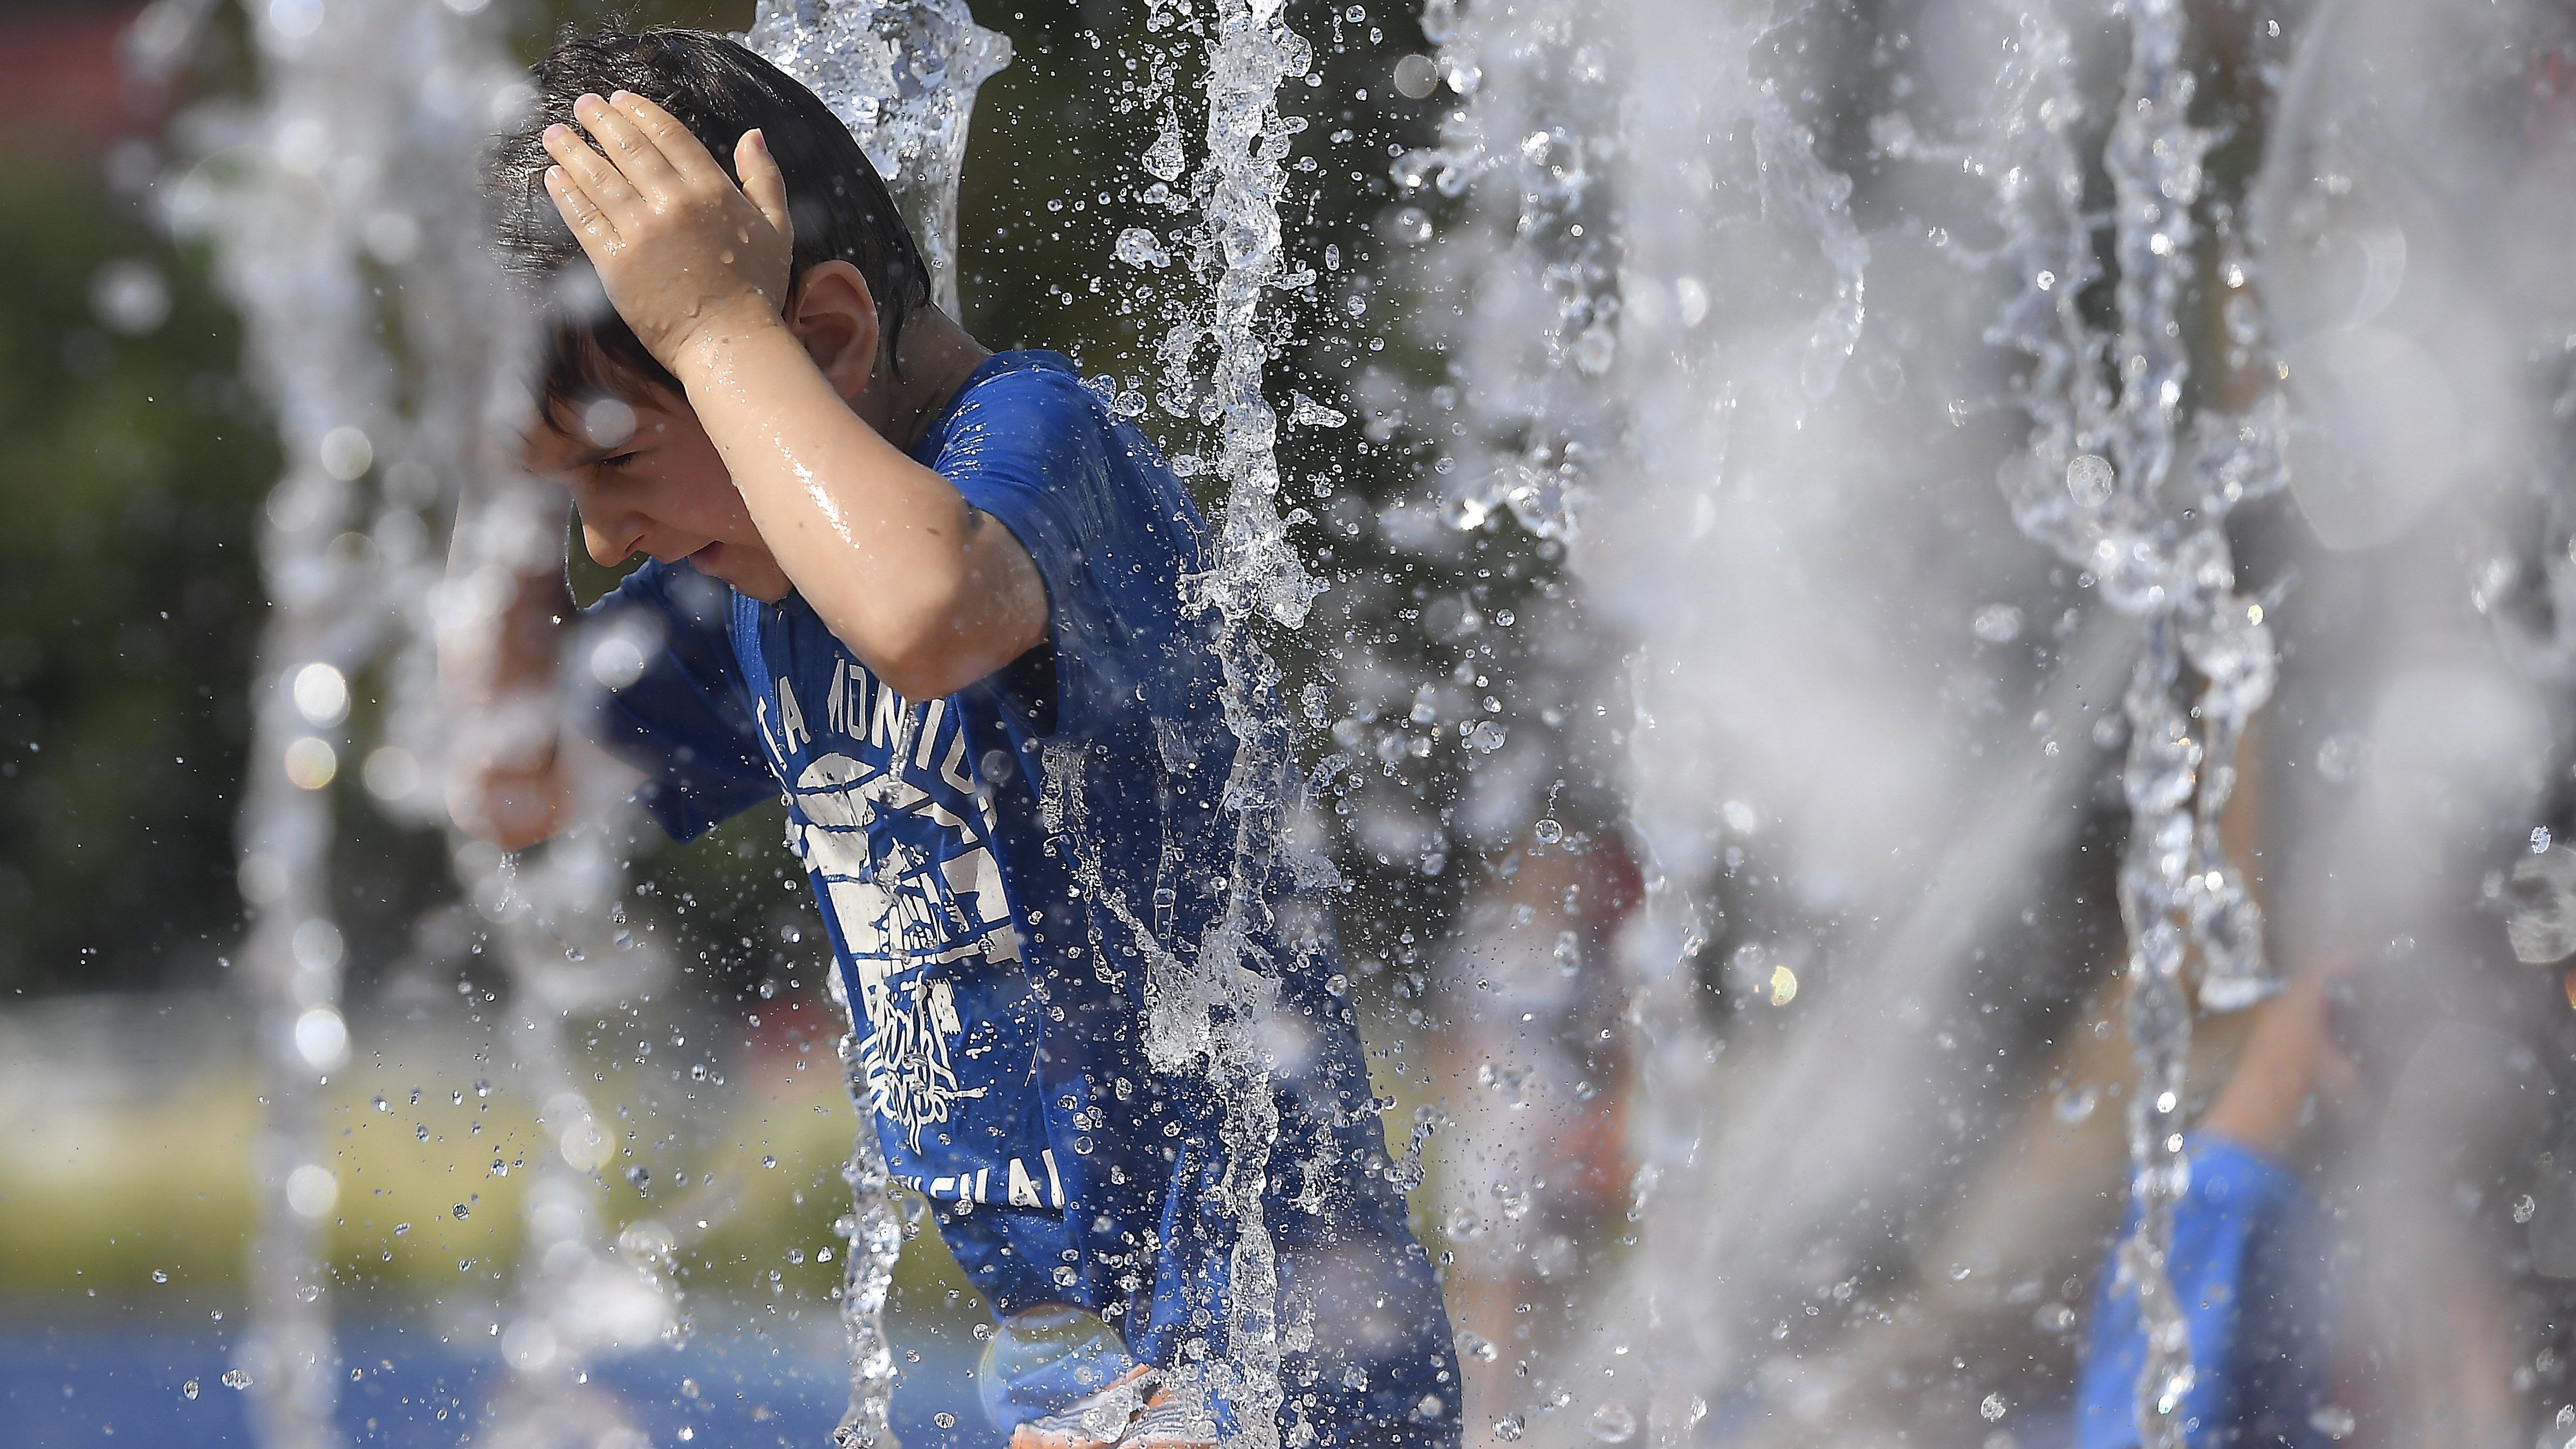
<point x="909" y="876"/>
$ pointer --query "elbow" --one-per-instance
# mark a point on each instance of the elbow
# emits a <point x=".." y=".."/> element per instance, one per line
<point x="926" y="652"/>
<point x="924" y="671"/>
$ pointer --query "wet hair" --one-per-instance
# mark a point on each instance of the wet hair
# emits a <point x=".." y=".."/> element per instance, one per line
<point x="719" y="90"/>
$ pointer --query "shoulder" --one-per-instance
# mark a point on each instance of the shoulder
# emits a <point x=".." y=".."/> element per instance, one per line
<point x="1015" y="392"/>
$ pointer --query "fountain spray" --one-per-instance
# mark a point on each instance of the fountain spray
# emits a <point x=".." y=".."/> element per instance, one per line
<point x="902" y="75"/>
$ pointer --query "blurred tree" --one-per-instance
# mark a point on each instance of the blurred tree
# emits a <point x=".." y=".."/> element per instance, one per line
<point x="131" y="458"/>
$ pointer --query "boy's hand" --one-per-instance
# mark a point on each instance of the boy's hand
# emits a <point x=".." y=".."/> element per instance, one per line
<point x="684" y="254"/>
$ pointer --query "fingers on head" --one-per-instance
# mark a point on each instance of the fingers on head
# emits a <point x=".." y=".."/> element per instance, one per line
<point x="634" y="153"/>
<point x="763" y="182"/>
<point x="585" y="167"/>
<point x="677" y="144"/>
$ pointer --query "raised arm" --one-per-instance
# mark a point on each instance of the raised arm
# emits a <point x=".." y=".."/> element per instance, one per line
<point x="930" y="594"/>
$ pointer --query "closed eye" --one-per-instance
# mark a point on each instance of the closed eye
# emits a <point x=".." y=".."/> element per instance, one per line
<point x="618" y="460"/>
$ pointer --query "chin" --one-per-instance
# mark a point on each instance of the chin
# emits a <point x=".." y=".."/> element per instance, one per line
<point x="749" y="574"/>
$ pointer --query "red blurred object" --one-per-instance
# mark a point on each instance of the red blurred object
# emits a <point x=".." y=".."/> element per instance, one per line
<point x="62" y="76"/>
<point x="2549" y="112"/>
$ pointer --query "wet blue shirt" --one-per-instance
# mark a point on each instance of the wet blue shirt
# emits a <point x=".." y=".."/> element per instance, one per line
<point x="996" y="870"/>
<point x="2248" y="1266"/>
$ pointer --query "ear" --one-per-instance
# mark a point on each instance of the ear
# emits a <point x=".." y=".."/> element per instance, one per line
<point x="835" y="315"/>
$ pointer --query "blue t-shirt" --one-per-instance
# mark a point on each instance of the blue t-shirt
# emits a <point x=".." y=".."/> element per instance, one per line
<point x="2248" y="1265"/>
<point x="997" y="870"/>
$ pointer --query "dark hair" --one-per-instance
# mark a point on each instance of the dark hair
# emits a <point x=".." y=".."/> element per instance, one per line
<point x="718" y="90"/>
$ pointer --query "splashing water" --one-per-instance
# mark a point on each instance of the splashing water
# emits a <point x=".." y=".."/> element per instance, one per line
<point x="356" y="172"/>
<point x="1224" y="1000"/>
<point x="902" y="75"/>
<point x="1531" y="376"/>
<point x="2161" y="560"/>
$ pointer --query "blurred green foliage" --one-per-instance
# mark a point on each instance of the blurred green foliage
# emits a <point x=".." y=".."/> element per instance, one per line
<point x="131" y="458"/>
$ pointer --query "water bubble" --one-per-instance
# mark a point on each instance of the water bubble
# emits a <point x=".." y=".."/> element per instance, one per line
<point x="236" y="1378"/>
<point x="1548" y="831"/>
<point x="1510" y="1427"/>
<point x="944" y="1419"/>
<point x="1614" y="1423"/>
<point x="617" y="661"/>
<point x="1991" y="1408"/>
<point x="312" y="1189"/>
<point x="1410" y="225"/>
<point x="1997" y="624"/>
<point x="461" y="1212"/>
<point x="316" y="945"/>
<point x="2090" y="481"/>
<point x="310" y="763"/>
<point x="346" y="453"/>
<point x="1165" y="158"/>
<point x="158" y="1276"/>
<point x="607" y="422"/>
<point x="391" y="773"/>
<point x="1305" y="412"/>
<point x="1690" y="297"/>
<point x="2524" y="1209"/>
<point x="322" y="1038"/>
<point x="1416" y="77"/>
<point x="188" y="1390"/>
<point x="1784" y="985"/>
<point x="1138" y="247"/>
<point x="130" y="297"/>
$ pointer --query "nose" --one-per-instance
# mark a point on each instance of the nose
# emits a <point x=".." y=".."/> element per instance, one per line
<point x="612" y="544"/>
<point x="609" y="533"/>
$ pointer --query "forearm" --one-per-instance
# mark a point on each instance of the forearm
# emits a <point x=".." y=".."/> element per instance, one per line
<point x="928" y="592"/>
<point x="500" y="639"/>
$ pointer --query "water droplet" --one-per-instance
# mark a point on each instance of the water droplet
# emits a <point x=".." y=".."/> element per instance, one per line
<point x="1510" y="1428"/>
<point x="2076" y="1104"/>
<point x="188" y="1390"/>
<point x="2524" y="1209"/>
<point x="1548" y="832"/>
<point x="1138" y="247"/>
<point x="1410" y="225"/>
<point x="1614" y="1423"/>
<point x="461" y="1212"/>
<point x="159" y="1276"/>
<point x="2090" y="481"/>
<point x="236" y="1378"/>
<point x="1997" y="624"/>
<point x="1991" y="1408"/>
<point x="321" y="695"/>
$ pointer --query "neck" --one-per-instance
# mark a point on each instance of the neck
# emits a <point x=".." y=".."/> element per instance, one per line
<point x="932" y="361"/>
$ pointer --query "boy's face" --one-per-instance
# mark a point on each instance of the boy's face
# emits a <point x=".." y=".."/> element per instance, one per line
<point x="647" y="479"/>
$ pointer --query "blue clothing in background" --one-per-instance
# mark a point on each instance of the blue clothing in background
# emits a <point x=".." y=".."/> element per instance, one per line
<point x="2248" y="1266"/>
<point x="998" y="869"/>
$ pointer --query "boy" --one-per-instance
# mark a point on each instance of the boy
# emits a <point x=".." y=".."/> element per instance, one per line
<point x="933" y="594"/>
